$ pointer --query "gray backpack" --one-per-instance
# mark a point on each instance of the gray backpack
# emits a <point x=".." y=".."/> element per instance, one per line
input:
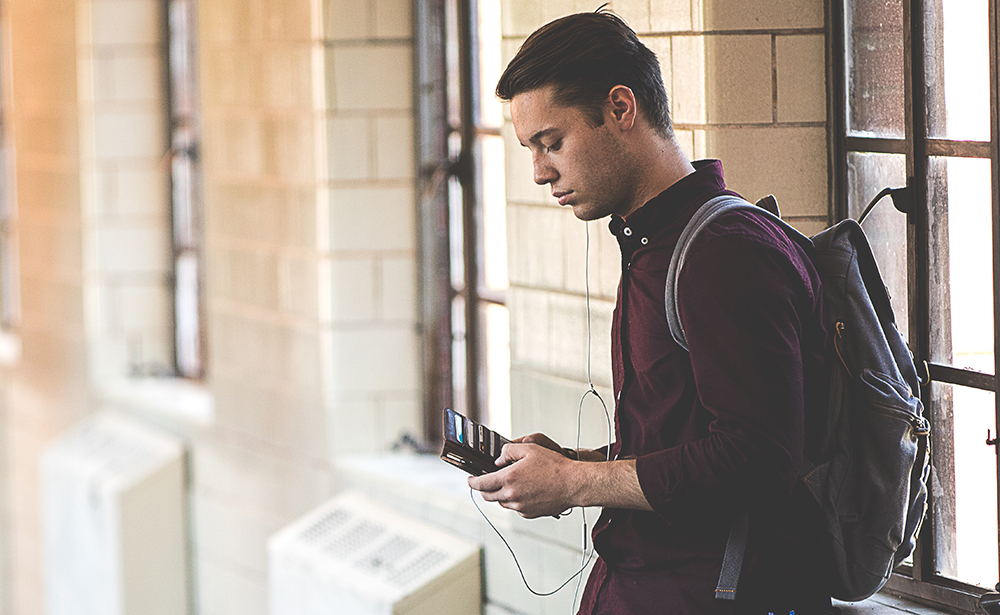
<point x="870" y="476"/>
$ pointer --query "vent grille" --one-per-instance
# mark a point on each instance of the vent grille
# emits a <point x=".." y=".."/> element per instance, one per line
<point x="352" y="551"/>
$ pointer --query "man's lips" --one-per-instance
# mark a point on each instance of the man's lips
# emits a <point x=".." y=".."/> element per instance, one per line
<point x="562" y="197"/>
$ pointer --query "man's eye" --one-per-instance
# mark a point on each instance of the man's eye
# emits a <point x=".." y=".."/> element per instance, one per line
<point x="554" y="147"/>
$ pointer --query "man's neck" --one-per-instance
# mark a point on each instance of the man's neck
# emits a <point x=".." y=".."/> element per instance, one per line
<point x="663" y="164"/>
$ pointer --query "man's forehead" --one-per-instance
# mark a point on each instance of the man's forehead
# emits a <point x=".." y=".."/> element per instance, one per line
<point x="535" y="114"/>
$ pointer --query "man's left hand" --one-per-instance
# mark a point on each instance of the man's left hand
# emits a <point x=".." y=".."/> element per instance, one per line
<point x="535" y="481"/>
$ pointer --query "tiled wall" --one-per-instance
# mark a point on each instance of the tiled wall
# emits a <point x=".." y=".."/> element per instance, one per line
<point x="371" y="246"/>
<point x="124" y="188"/>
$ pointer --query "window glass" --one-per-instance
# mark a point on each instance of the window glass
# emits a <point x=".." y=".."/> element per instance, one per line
<point x="494" y="201"/>
<point x="458" y="355"/>
<point x="456" y="235"/>
<point x="497" y="321"/>
<point x="959" y="195"/>
<point x="490" y="64"/>
<point x="874" y="45"/>
<point x="964" y="485"/>
<point x="867" y="175"/>
<point x="957" y="66"/>
<point x="185" y="193"/>
<point x="10" y="304"/>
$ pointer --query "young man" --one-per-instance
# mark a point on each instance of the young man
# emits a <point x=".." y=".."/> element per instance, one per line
<point x="701" y="437"/>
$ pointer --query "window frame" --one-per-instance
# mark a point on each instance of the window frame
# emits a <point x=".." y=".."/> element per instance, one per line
<point x="185" y="190"/>
<point x="448" y="152"/>
<point x="920" y="580"/>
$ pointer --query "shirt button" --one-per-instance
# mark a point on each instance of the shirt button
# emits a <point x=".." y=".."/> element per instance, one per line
<point x="644" y="241"/>
<point x="627" y="231"/>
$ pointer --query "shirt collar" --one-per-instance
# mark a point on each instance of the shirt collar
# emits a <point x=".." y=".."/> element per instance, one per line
<point x="667" y="207"/>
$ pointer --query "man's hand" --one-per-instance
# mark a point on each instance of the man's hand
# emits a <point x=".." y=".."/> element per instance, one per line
<point x="537" y="482"/>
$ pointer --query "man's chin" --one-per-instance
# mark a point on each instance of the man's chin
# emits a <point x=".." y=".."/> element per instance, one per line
<point x="586" y="214"/>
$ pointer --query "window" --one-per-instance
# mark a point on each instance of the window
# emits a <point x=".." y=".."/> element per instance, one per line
<point x="915" y="85"/>
<point x="463" y="234"/>
<point x="185" y="192"/>
<point x="10" y="304"/>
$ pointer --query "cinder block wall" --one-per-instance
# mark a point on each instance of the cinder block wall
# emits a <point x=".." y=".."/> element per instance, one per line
<point x="309" y="257"/>
<point x="48" y="390"/>
<point x="124" y="188"/>
<point x="370" y="252"/>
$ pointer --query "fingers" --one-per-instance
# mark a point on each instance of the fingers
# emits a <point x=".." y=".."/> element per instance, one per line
<point x="541" y="440"/>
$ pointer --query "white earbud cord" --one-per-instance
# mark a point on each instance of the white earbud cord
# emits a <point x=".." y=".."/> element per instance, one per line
<point x="585" y="556"/>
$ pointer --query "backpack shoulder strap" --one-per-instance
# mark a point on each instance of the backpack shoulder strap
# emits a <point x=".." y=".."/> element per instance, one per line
<point x="767" y="206"/>
<point x="701" y="218"/>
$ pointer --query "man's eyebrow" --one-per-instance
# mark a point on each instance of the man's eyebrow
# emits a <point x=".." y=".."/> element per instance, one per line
<point x="535" y="138"/>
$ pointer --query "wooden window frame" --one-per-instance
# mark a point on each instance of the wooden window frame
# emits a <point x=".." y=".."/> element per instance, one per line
<point x="919" y="580"/>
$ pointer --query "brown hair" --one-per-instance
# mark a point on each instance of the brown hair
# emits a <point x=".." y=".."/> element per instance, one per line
<point x="585" y="55"/>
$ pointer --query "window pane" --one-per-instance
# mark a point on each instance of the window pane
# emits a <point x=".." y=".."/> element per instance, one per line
<point x="961" y="263"/>
<point x="957" y="66"/>
<point x="456" y="233"/>
<point x="874" y="67"/>
<point x="458" y="355"/>
<point x="187" y="325"/>
<point x="965" y="485"/>
<point x="494" y="201"/>
<point x="490" y="64"/>
<point x="867" y="174"/>
<point x="497" y="325"/>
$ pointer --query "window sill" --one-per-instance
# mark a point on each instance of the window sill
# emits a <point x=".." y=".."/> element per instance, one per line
<point x="169" y="397"/>
<point x="885" y="604"/>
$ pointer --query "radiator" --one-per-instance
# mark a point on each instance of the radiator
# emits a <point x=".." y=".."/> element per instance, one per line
<point x="352" y="556"/>
<point x="113" y="521"/>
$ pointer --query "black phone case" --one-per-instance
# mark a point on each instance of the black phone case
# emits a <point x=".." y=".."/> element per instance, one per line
<point x="469" y="445"/>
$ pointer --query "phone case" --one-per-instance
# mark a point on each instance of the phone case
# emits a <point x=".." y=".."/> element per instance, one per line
<point x="469" y="445"/>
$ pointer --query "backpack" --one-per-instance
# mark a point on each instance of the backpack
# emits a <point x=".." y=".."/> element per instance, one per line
<point x="870" y="476"/>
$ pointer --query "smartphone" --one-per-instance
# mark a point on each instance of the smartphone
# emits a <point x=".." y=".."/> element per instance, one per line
<point x="469" y="445"/>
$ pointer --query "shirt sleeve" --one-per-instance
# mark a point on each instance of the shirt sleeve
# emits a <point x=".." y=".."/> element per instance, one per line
<point x="741" y="303"/>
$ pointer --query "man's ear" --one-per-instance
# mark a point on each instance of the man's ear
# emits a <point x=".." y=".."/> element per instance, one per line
<point x="622" y="106"/>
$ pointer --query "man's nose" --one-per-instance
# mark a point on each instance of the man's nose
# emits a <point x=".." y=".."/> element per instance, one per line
<point x="544" y="173"/>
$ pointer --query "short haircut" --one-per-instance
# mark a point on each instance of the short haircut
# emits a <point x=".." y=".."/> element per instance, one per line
<point x="585" y="55"/>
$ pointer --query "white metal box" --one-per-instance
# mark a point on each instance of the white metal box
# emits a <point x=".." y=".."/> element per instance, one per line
<point x="352" y="556"/>
<point x="114" y="518"/>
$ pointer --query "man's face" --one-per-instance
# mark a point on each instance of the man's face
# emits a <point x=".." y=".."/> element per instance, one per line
<point x="584" y="165"/>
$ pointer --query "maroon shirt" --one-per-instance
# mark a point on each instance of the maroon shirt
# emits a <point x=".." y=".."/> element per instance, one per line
<point x="720" y="430"/>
